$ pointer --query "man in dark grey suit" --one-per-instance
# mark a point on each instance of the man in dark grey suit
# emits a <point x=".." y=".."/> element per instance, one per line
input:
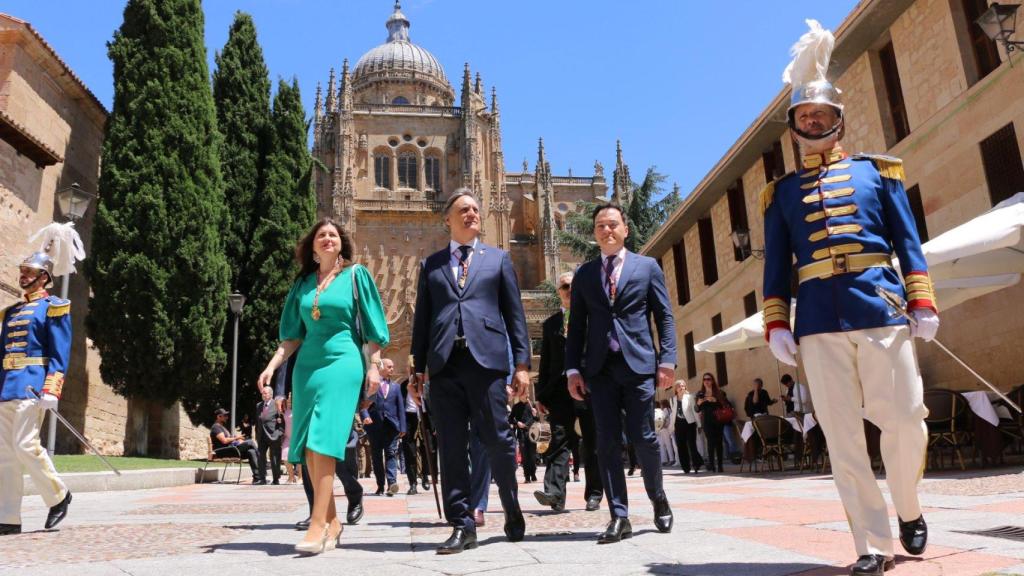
<point x="269" y="433"/>
<point x="609" y="339"/>
<point x="468" y="315"/>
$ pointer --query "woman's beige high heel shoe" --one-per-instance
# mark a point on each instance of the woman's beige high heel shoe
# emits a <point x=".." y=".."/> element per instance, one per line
<point x="337" y="539"/>
<point x="320" y="547"/>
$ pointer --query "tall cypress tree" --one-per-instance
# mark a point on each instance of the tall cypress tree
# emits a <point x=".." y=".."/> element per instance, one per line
<point x="241" y="91"/>
<point x="158" y="272"/>
<point x="287" y="208"/>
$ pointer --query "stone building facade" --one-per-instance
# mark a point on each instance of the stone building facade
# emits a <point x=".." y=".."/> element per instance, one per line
<point x="919" y="81"/>
<point x="396" y="143"/>
<point x="51" y="136"/>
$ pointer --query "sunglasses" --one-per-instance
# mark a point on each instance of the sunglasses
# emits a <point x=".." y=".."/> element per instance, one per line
<point x="563" y="287"/>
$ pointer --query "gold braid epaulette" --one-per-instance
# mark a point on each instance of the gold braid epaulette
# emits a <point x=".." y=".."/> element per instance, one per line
<point x="58" y="310"/>
<point x="888" y="166"/>
<point x="767" y="195"/>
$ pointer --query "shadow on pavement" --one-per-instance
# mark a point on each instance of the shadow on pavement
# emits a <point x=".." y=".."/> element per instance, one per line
<point x="733" y="568"/>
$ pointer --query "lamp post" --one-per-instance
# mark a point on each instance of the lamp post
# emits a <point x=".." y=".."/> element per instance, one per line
<point x="72" y="202"/>
<point x="741" y="241"/>
<point x="999" y="22"/>
<point x="235" y="301"/>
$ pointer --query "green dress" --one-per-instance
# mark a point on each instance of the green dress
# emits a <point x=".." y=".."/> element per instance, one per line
<point x="329" y="368"/>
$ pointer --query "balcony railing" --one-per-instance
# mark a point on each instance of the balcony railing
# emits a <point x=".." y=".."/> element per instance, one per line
<point x="443" y="111"/>
<point x="399" y="205"/>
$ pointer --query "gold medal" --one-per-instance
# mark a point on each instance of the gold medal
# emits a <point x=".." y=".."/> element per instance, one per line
<point x="316" y="312"/>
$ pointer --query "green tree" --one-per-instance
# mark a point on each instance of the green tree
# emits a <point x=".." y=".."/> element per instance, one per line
<point x="286" y="210"/>
<point x="157" y="267"/>
<point x="241" y="92"/>
<point x="647" y="209"/>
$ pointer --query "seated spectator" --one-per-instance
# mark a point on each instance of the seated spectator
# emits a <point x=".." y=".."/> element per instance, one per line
<point x="758" y="401"/>
<point x="224" y="445"/>
<point x="245" y="427"/>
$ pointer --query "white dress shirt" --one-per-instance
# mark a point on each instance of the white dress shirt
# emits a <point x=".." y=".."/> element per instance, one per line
<point x="453" y="249"/>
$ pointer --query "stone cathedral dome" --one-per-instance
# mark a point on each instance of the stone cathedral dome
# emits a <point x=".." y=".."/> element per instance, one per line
<point x="399" y="57"/>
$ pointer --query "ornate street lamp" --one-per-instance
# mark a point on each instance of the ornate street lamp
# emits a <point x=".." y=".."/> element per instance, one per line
<point x="999" y="22"/>
<point x="73" y="203"/>
<point x="741" y="240"/>
<point x="236" y="301"/>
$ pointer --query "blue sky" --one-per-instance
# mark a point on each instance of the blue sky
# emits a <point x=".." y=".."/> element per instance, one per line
<point x="677" y="80"/>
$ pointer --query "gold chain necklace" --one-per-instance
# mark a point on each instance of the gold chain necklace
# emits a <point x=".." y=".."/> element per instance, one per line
<point x="320" y="287"/>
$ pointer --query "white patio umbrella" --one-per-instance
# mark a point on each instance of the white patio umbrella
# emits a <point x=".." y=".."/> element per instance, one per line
<point x="980" y="256"/>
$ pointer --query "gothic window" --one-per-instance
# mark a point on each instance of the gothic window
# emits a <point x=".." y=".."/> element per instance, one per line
<point x="382" y="171"/>
<point x="400" y="100"/>
<point x="432" y="170"/>
<point x="407" y="170"/>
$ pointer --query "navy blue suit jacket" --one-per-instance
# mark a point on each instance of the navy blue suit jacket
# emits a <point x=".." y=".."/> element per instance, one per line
<point x="640" y="293"/>
<point x="390" y="409"/>
<point x="492" y="312"/>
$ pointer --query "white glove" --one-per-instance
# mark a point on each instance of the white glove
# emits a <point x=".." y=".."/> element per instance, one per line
<point x="48" y="402"/>
<point x="783" y="346"/>
<point x="927" y="324"/>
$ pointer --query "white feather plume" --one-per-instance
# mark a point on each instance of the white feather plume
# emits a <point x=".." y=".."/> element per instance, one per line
<point x="811" y="55"/>
<point x="63" y="244"/>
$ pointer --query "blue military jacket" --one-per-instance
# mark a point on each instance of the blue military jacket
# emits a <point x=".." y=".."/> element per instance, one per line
<point x="36" y="339"/>
<point x="843" y="218"/>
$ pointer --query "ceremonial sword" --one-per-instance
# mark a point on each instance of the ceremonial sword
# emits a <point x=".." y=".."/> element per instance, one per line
<point x="77" y="434"/>
<point x="899" y="308"/>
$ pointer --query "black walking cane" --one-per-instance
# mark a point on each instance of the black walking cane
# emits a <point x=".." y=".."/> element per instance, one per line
<point x="425" y="434"/>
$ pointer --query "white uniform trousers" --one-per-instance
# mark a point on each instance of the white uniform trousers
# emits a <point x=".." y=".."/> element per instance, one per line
<point x="21" y="453"/>
<point x="875" y="368"/>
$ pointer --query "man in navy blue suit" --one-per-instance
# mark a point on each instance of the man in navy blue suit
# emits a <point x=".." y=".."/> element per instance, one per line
<point x="385" y="427"/>
<point x="610" y="341"/>
<point x="468" y="315"/>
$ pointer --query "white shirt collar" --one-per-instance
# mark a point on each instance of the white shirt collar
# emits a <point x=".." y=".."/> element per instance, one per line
<point x="453" y="245"/>
<point x="619" y="256"/>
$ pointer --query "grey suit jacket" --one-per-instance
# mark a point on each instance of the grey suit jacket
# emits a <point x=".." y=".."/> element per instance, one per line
<point x="271" y="426"/>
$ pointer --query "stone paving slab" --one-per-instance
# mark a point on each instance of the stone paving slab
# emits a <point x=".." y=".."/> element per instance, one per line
<point x="726" y="524"/>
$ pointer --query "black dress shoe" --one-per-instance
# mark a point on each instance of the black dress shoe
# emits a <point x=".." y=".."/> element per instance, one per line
<point x="662" y="515"/>
<point x="593" y="503"/>
<point x="276" y="482"/>
<point x="546" y="499"/>
<point x="631" y="471"/>
<point x="412" y="490"/>
<point x="914" y="535"/>
<point x="515" y="525"/>
<point x="302" y="524"/>
<point x="618" y="529"/>
<point x="355" y="512"/>
<point x="10" y="529"/>
<point x="426" y="484"/>
<point x="461" y="539"/>
<point x="58" y="512"/>
<point x="873" y="564"/>
<point x="379" y="492"/>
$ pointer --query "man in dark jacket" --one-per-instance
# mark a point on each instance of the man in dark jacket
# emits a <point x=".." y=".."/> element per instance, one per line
<point x="269" y="435"/>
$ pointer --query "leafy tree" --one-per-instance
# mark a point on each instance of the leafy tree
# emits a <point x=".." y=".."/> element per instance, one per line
<point x="647" y="209"/>
<point x="157" y="269"/>
<point x="241" y="92"/>
<point x="287" y="208"/>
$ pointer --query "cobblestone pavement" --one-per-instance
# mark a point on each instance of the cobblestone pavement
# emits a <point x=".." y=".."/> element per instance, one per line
<point x="753" y="524"/>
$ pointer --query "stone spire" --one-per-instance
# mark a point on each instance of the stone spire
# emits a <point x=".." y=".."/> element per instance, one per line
<point x="622" y="184"/>
<point x="478" y="87"/>
<point x="494" y="100"/>
<point x="318" y="103"/>
<point x="345" y="91"/>
<point x="330" y="92"/>
<point x="466" y="86"/>
<point x="546" y="197"/>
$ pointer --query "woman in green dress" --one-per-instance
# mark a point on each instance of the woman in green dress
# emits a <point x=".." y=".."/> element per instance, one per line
<point x="320" y="315"/>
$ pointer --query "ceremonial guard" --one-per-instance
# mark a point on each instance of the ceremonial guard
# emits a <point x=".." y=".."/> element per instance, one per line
<point x="36" y="338"/>
<point x="844" y="218"/>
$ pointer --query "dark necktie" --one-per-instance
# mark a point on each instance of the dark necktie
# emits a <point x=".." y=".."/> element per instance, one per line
<point x="609" y="268"/>
<point x="463" y="266"/>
